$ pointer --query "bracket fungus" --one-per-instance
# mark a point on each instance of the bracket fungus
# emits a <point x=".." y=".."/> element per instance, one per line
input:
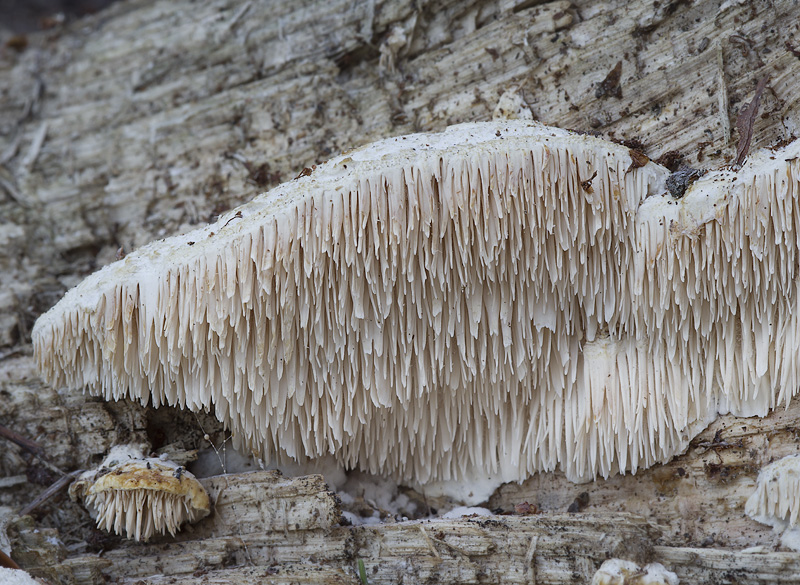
<point x="494" y="300"/>
<point x="139" y="496"/>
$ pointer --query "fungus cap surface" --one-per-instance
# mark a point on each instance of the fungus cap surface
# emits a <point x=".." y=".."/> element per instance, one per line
<point x="494" y="300"/>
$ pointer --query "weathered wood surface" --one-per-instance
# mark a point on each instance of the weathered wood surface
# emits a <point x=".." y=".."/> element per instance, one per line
<point x="698" y="498"/>
<point x="552" y="547"/>
<point x="152" y="117"/>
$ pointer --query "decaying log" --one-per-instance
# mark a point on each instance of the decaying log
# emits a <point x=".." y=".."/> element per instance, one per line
<point x="265" y="524"/>
<point x="152" y="117"/>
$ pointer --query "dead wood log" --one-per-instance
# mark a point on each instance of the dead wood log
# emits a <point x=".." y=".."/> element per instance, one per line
<point x="152" y="117"/>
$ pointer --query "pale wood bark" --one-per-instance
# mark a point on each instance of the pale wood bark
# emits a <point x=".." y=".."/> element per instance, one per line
<point x="151" y="117"/>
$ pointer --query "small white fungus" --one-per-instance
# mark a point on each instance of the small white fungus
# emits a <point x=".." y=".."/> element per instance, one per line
<point x="137" y="496"/>
<point x="619" y="572"/>
<point x="776" y="499"/>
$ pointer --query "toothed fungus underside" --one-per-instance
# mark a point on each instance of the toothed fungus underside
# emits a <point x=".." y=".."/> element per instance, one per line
<point x="776" y="499"/>
<point x="495" y="300"/>
<point x="136" y="496"/>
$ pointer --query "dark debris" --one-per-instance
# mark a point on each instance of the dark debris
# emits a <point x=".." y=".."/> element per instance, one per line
<point x="679" y="181"/>
<point x="610" y="86"/>
<point x="579" y="504"/>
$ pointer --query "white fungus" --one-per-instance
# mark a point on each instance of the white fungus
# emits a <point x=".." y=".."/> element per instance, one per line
<point x="619" y="572"/>
<point x="491" y="301"/>
<point x="17" y="577"/>
<point x="776" y="499"/>
<point x="139" y="497"/>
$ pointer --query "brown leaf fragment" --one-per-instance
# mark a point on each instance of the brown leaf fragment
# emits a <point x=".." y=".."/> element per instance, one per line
<point x="638" y="160"/>
<point x="261" y="174"/>
<point x="632" y="143"/>
<point x="701" y="149"/>
<point x="7" y="562"/>
<point x="587" y="184"/>
<point x="610" y="85"/>
<point x="17" y="42"/>
<point x="526" y="509"/>
<point x="745" y="121"/>
<point x="671" y="159"/>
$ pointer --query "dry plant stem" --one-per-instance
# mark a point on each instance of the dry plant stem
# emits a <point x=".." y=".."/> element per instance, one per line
<point x="746" y="120"/>
<point x="51" y="491"/>
<point x="7" y="562"/>
<point x="30" y="446"/>
<point x="19" y="440"/>
<point x="36" y="450"/>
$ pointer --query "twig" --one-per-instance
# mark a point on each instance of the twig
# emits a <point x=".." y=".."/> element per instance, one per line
<point x="11" y="151"/>
<point x="7" y="562"/>
<point x="32" y="101"/>
<point x="25" y="443"/>
<point x="30" y="446"/>
<point x="745" y="121"/>
<point x="13" y="480"/>
<point x="49" y="492"/>
<point x="529" y="559"/>
<point x="238" y="16"/>
<point x="722" y="95"/>
<point x="429" y="542"/>
<point x="36" y="147"/>
<point x="12" y="191"/>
